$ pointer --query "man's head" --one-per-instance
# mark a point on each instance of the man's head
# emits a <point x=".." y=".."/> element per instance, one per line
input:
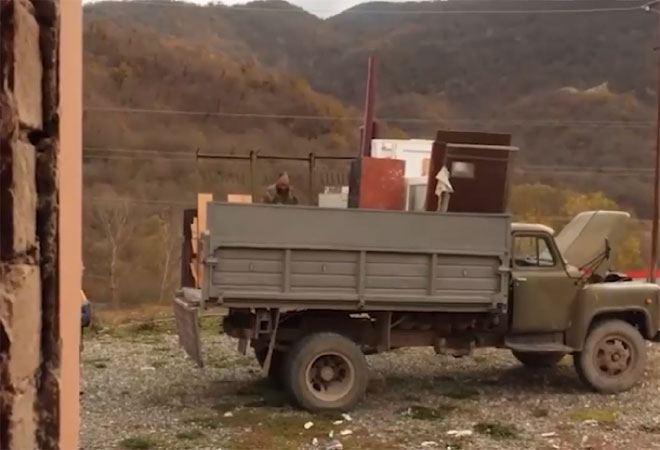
<point x="282" y="184"/>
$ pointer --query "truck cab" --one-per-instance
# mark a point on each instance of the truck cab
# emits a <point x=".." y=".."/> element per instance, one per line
<point x="565" y="299"/>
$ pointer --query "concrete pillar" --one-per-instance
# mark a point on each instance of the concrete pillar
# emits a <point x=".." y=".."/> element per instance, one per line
<point x="70" y="199"/>
<point x="40" y="194"/>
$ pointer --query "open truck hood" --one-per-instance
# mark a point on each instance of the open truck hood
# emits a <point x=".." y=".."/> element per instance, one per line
<point x="583" y="239"/>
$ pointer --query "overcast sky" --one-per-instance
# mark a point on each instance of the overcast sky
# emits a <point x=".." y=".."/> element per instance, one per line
<point x="323" y="8"/>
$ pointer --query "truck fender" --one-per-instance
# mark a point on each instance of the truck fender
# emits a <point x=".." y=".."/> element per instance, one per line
<point x="577" y="334"/>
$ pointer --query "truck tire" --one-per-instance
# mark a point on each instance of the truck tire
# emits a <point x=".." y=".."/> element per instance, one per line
<point x="276" y="371"/>
<point x="326" y="372"/>
<point x="613" y="358"/>
<point x="539" y="359"/>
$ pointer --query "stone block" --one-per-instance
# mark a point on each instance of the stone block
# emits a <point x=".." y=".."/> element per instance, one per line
<point x="23" y="421"/>
<point x="28" y="70"/>
<point x="20" y="312"/>
<point x="21" y="235"/>
<point x="8" y="119"/>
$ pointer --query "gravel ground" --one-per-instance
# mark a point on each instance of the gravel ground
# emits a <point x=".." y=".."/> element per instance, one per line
<point x="140" y="392"/>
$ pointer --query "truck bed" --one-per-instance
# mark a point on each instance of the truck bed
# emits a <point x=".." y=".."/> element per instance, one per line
<point x="294" y="258"/>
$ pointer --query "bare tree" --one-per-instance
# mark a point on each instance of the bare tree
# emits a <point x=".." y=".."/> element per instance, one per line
<point x="114" y="220"/>
<point x="170" y="243"/>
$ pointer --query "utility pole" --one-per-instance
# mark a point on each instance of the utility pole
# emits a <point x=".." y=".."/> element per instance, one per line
<point x="652" y="8"/>
<point x="369" y="106"/>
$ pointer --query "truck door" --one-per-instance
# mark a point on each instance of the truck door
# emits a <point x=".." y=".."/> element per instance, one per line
<point x="542" y="292"/>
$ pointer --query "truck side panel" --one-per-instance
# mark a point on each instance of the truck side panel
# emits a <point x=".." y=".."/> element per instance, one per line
<point x="293" y="257"/>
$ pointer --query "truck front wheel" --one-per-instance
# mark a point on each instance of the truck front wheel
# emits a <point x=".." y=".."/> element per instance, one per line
<point x="613" y="358"/>
<point x="539" y="359"/>
<point x="326" y="371"/>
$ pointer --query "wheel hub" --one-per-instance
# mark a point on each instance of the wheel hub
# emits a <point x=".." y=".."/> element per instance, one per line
<point x="327" y="373"/>
<point x="330" y="376"/>
<point x="613" y="356"/>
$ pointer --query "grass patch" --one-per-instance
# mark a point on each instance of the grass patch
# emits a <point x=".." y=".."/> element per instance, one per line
<point x="222" y="406"/>
<point x="210" y="325"/>
<point x="284" y="430"/>
<point x="137" y="443"/>
<point x="421" y="412"/>
<point x="278" y="424"/>
<point x="210" y="422"/>
<point x="496" y="430"/>
<point x="607" y="416"/>
<point x="190" y="435"/>
<point x="254" y="388"/>
<point x="224" y="361"/>
<point x="150" y="327"/>
<point x="146" y="331"/>
<point x="274" y="400"/>
<point x="96" y="360"/>
<point x="410" y="397"/>
<point x="458" y="391"/>
<point x="651" y="429"/>
<point x="540" y="412"/>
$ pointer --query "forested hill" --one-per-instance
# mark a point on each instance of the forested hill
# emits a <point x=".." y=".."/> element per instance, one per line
<point x="574" y="87"/>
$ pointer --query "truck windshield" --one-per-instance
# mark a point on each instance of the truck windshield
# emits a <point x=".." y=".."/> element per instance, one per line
<point x="532" y="251"/>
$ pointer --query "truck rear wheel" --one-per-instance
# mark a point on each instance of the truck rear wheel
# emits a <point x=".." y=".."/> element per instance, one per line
<point x="326" y="371"/>
<point x="613" y="358"/>
<point x="539" y="359"/>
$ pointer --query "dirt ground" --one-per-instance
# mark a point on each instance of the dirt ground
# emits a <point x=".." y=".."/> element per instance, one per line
<point x="140" y="392"/>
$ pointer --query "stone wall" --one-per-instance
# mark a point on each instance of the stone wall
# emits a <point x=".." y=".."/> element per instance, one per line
<point x="29" y="340"/>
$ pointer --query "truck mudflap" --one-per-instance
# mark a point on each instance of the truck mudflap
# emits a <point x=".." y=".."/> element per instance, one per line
<point x="186" y="314"/>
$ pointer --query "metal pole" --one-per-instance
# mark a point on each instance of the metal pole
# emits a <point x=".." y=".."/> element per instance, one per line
<point x="253" y="176"/>
<point x="656" y="181"/>
<point x="370" y="100"/>
<point x="312" y="167"/>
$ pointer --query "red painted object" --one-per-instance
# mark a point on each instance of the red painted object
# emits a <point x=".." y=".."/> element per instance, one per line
<point x="641" y="274"/>
<point x="377" y="183"/>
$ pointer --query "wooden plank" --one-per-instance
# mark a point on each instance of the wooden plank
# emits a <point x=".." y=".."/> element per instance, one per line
<point x="193" y="270"/>
<point x="239" y="198"/>
<point x="187" y="279"/>
<point x="202" y="202"/>
<point x="193" y="236"/>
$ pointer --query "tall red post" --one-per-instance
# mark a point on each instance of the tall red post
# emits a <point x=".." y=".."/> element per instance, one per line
<point x="369" y="106"/>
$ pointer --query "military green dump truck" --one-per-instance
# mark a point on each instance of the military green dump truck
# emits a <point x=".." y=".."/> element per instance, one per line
<point x="314" y="290"/>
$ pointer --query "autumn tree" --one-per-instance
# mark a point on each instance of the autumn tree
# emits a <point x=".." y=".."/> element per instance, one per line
<point x="557" y="206"/>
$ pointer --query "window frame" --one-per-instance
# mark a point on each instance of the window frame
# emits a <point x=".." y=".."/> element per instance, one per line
<point x="550" y="244"/>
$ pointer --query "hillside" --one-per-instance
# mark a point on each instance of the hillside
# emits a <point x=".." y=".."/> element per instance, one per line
<point x="157" y="72"/>
<point x="458" y="70"/>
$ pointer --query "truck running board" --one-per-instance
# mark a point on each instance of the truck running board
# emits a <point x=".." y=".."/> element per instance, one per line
<point x="537" y="343"/>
